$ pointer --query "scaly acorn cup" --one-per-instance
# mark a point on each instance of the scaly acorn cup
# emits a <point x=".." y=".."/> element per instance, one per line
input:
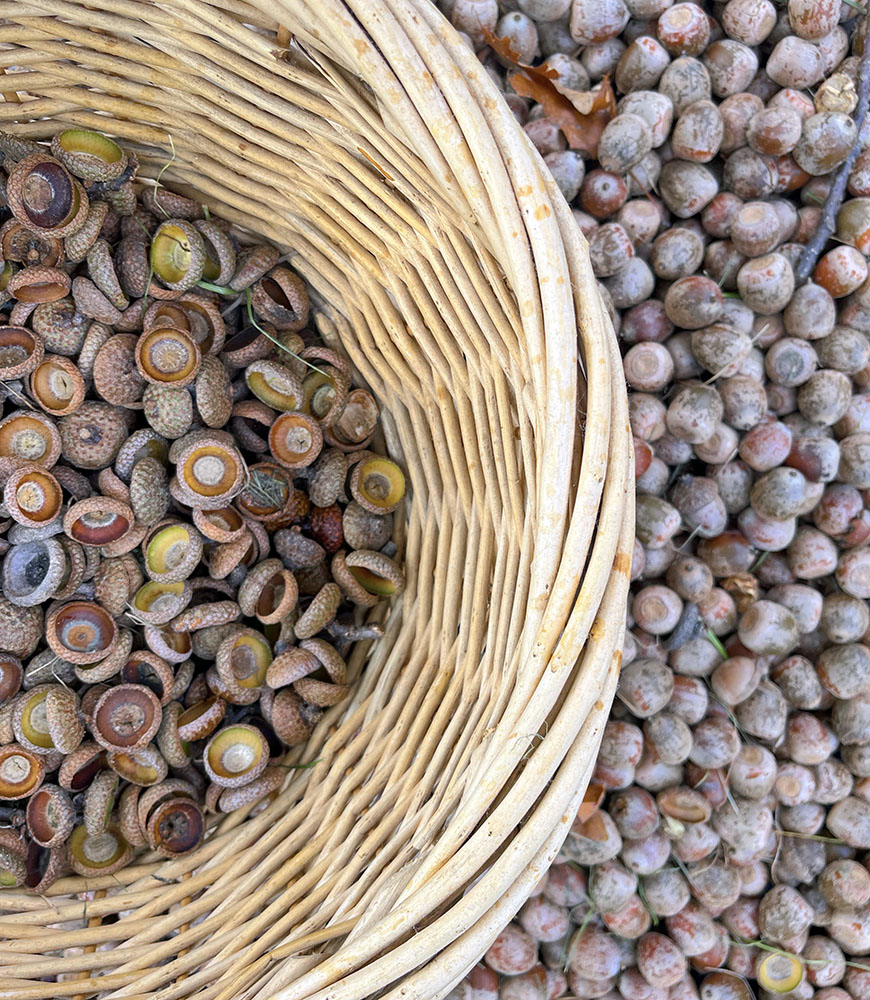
<point x="44" y="196"/>
<point x="91" y="156"/>
<point x="178" y="255"/>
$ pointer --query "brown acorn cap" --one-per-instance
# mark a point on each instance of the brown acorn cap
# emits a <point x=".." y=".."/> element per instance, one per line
<point x="166" y="356"/>
<point x="243" y="658"/>
<point x="351" y="587"/>
<point x="320" y="612"/>
<point x="174" y="647"/>
<point x="145" y="667"/>
<point x="31" y="437"/>
<point x="290" y="666"/>
<point x="128" y="819"/>
<point x="377" y="484"/>
<point x="291" y="724"/>
<point x="78" y="768"/>
<point x="50" y="816"/>
<point x="295" y="439"/>
<point x="32" y="495"/>
<point x="158" y="603"/>
<point x="20" y="628"/>
<point x="219" y="251"/>
<point x="126" y="717"/>
<point x="225" y="524"/>
<point x="175" y="750"/>
<point x="176" y="827"/>
<point x="80" y="631"/>
<point x="198" y="721"/>
<point x="44" y="196"/>
<point x="143" y="767"/>
<point x="98" y="521"/>
<point x="100" y="855"/>
<point x="20" y="352"/>
<point x="90" y="437"/>
<point x="116" y="377"/>
<point x="268" y="783"/>
<point x="20" y="244"/>
<point x="95" y="673"/>
<point x="204" y="615"/>
<point x="235" y="755"/>
<point x="214" y="392"/>
<point x="57" y="385"/>
<point x="39" y="284"/>
<point x="21" y="771"/>
<point x="206" y="324"/>
<point x="77" y="244"/>
<point x="172" y="552"/>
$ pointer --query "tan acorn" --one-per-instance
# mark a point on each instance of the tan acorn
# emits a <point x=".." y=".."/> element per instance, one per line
<point x="57" y="385"/>
<point x="116" y="377"/>
<point x="39" y="284"/>
<point x="364" y="530"/>
<point x="44" y="196"/>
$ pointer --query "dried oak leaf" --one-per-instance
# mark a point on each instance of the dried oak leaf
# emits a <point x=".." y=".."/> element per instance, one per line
<point x="580" y="114"/>
<point x="592" y="799"/>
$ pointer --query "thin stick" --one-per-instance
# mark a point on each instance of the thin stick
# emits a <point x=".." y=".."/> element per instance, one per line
<point x="828" y="220"/>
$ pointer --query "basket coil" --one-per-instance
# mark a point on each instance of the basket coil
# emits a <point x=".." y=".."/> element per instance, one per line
<point x="364" y="138"/>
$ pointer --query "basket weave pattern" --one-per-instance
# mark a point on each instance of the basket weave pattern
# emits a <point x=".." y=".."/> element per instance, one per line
<point x="363" y="137"/>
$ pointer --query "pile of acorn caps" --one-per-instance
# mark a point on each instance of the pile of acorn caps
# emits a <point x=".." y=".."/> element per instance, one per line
<point x="167" y="419"/>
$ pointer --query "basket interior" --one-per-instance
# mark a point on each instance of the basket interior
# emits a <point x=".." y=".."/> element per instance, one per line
<point x="367" y="143"/>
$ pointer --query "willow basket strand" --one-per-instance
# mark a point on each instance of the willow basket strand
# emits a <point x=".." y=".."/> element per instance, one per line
<point x="363" y="138"/>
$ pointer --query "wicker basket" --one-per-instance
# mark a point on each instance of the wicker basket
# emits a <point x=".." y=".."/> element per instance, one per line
<point x="366" y="138"/>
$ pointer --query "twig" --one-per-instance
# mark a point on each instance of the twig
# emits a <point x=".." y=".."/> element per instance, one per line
<point x="828" y="220"/>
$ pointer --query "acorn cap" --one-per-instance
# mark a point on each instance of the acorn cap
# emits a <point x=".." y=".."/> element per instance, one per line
<point x="268" y="783"/>
<point x="94" y="673"/>
<point x="112" y="585"/>
<point x="292" y="724"/>
<point x="145" y="667"/>
<point x="172" y="552"/>
<point x="91" y="156"/>
<point x="167" y="356"/>
<point x="219" y="252"/>
<point x="295" y="439"/>
<point x="376" y="572"/>
<point x="168" y="410"/>
<point x="211" y="470"/>
<point x="198" y="721"/>
<point x="274" y="384"/>
<point x="363" y="529"/>
<point x="102" y="854"/>
<point x="214" y="392"/>
<point x="90" y="437"/>
<point x="251" y="264"/>
<point x="31" y="437"/>
<point x="320" y="612"/>
<point x="23" y="245"/>
<point x="32" y="495"/>
<point x="224" y="524"/>
<point x="78" y="768"/>
<point x="175" y="750"/>
<point x="20" y="352"/>
<point x="21" y="771"/>
<point x="32" y="572"/>
<point x="50" y="816"/>
<point x="80" y="631"/>
<point x="229" y="689"/>
<point x="243" y="658"/>
<point x="44" y="196"/>
<point x="44" y="866"/>
<point x="178" y="255"/>
<point x="176" y="827"/>
<point x="98" y="521"/>
<point x="142" y="443"/>
<point x="128" y="819"/>
<point x="174" y="647"/>
<point x="290" y="666"/>
<point x="20" y="628"/>
<point x="377" y="484"/>
<point x="77" y="244"/>
<point x="126" y="717"/>
<point x="38" y="284"/>
<point x="143" y="767"/>
<point x="158" y="603"/>
<point x="204" y="615"/>
<point x="116" y="377"/>
<point x="350" y="586"/>
<point x="268" y="592"/>
<point x="99" y="800"/>
<point x="235" y="755"/>
<point x="11" y="675"/>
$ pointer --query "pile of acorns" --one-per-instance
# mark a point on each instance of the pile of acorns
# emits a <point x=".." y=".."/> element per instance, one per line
<point x="167" y="419"/>
<point x="723" y="846"/>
